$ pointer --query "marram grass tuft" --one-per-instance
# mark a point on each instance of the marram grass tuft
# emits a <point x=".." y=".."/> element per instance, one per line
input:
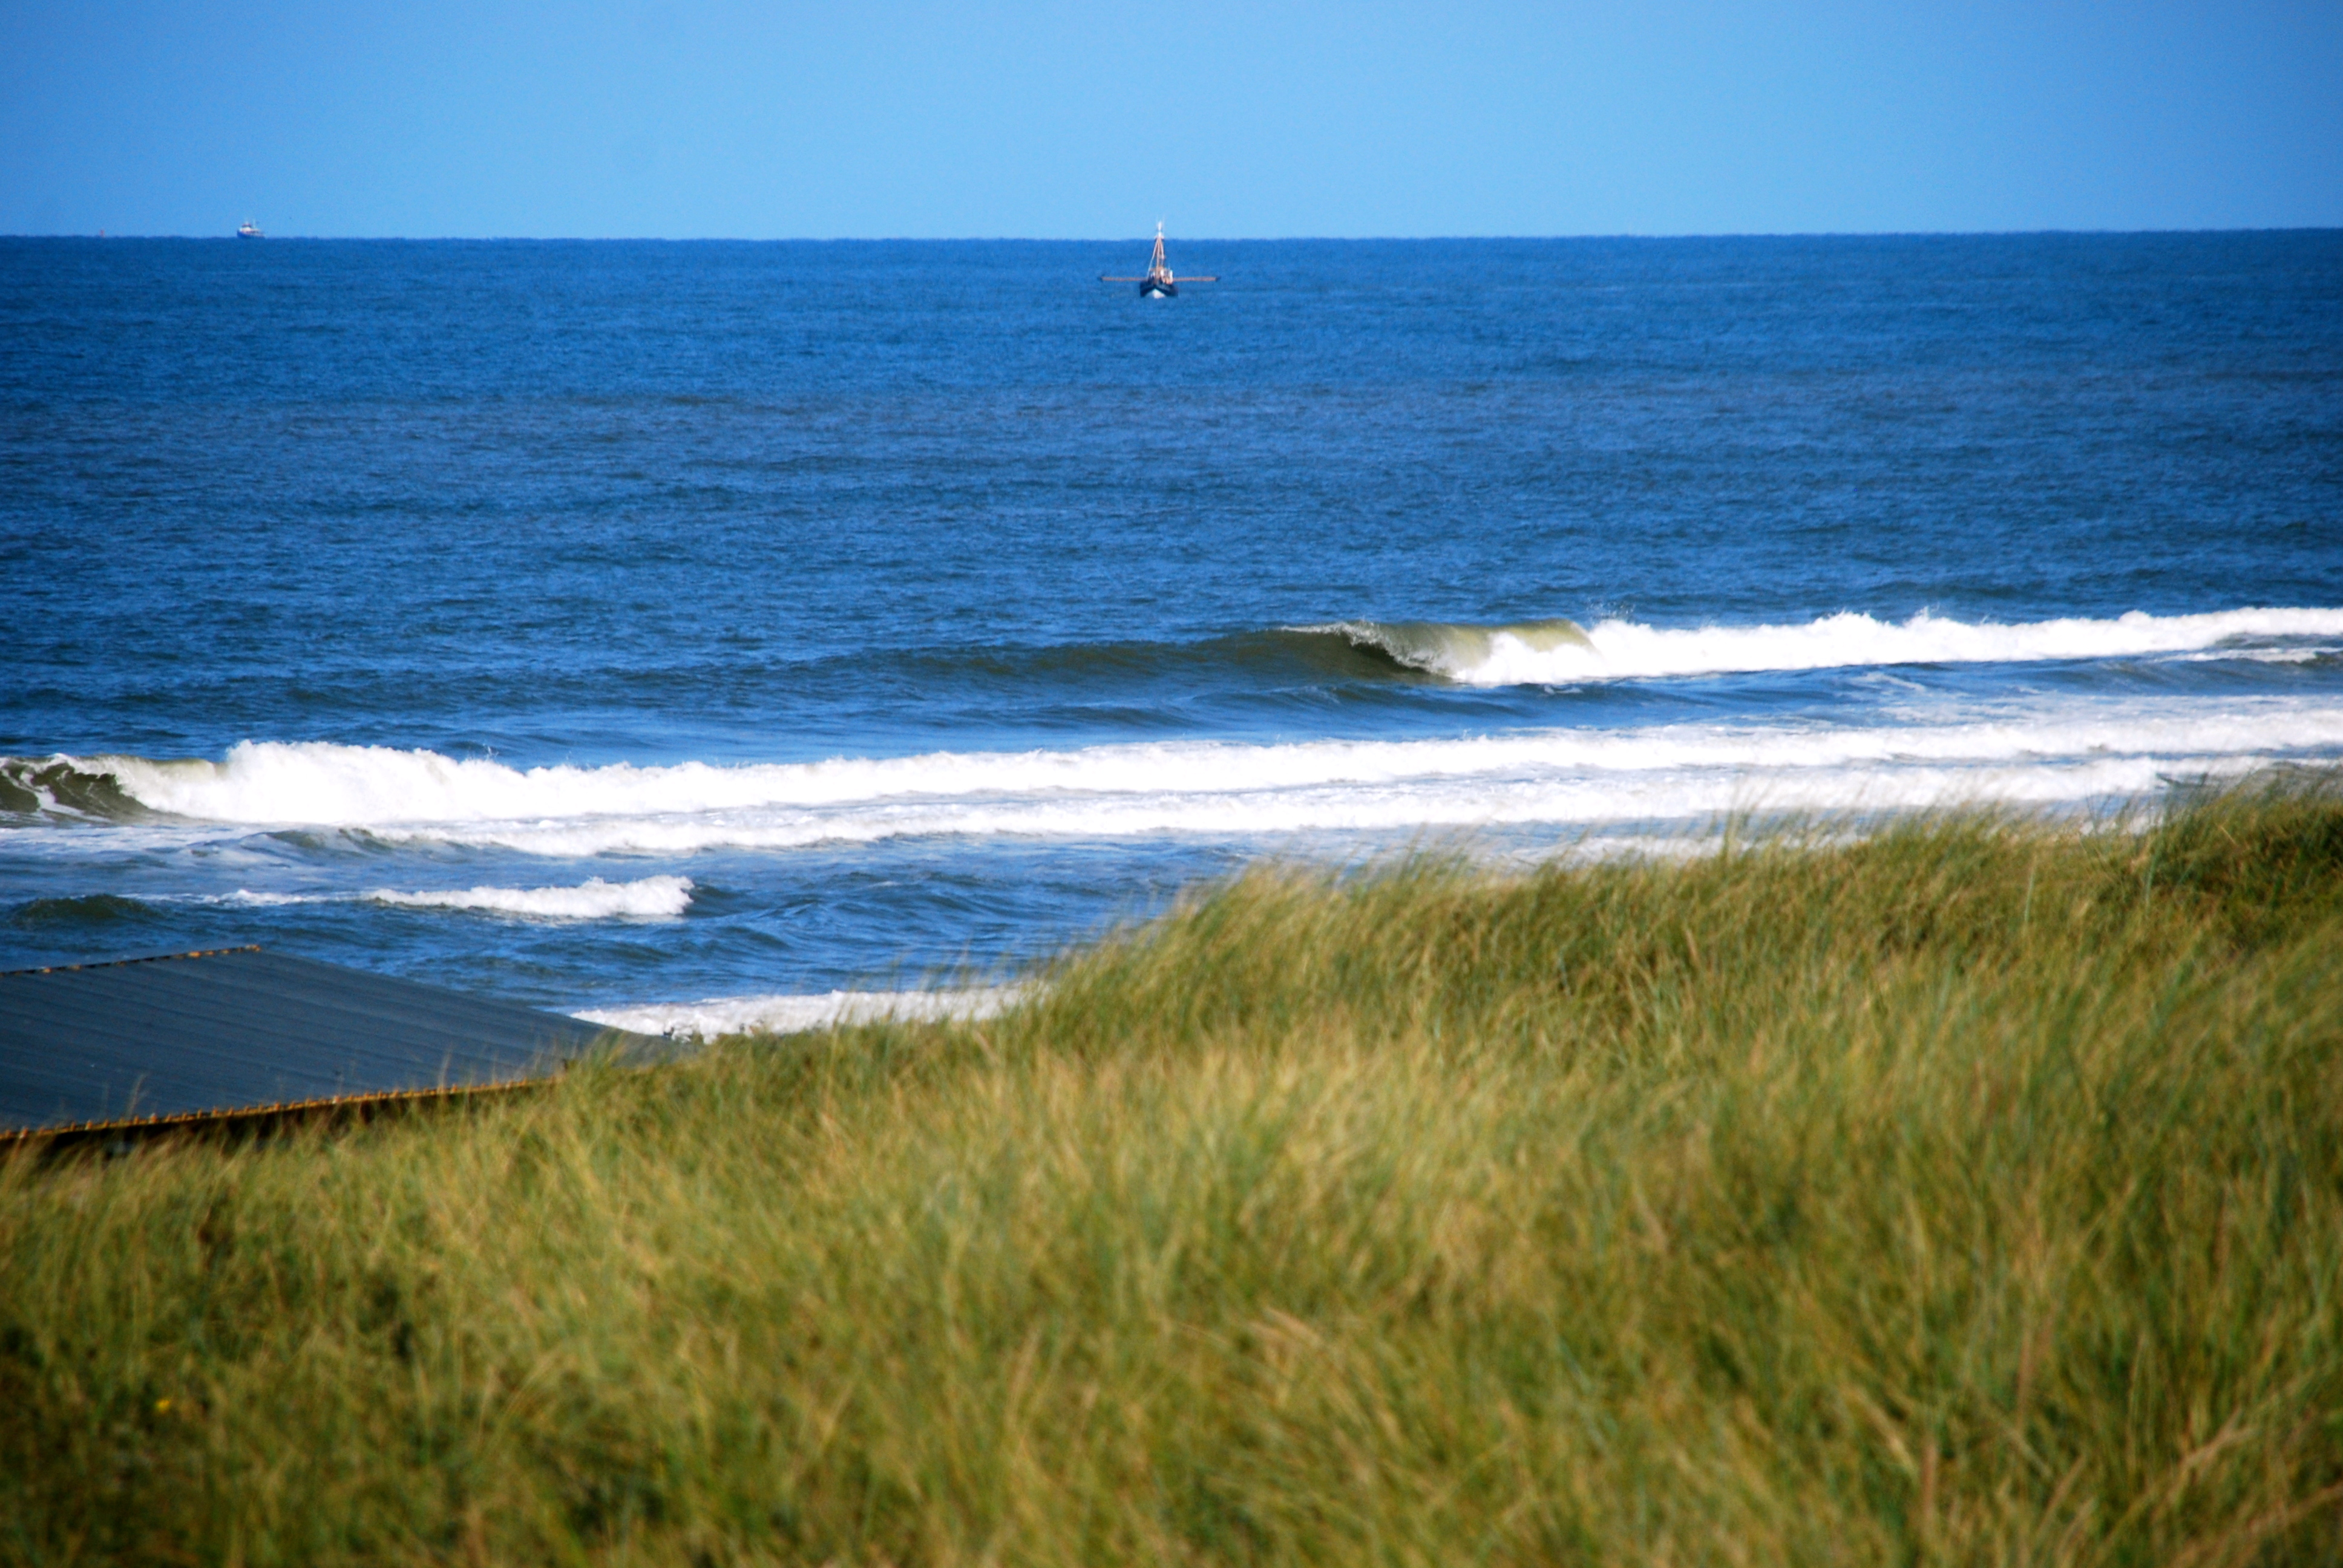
<point x="1970" y="1193"/>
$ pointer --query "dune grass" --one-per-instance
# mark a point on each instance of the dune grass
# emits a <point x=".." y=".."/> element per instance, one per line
<point x="1969" y="1193"/>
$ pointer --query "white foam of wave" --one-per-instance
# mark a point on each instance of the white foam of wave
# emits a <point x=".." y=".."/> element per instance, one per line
<point x="793" y="1014"/>
<point x="1622" y="650"/>
<point x="2043" y="753"/>
<point x="650" y="898"/>
<point x="2258" y="655"/>
<point x="1432" y="805"/>
<point x="315" y="783"/>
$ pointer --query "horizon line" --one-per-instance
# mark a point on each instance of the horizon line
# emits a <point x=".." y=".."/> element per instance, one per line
<point x="1191" y="239"/>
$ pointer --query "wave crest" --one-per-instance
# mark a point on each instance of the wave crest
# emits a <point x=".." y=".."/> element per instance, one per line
<point x="1561" y="653"/>
<point x="651" y="898"/>
<point x="62" y="786"/>
<point x="1455" y="648"/>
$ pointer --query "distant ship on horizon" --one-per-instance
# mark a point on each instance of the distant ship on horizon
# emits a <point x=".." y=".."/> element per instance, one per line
<point x="1159" y="283"/>
<point x="248" y="229"/>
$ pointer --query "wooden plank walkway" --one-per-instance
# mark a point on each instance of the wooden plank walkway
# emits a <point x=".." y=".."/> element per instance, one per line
<point x="196" y="1036"/>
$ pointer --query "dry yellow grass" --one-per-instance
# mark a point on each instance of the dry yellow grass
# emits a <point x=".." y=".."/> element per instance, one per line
<point x="1971" y="1193"/>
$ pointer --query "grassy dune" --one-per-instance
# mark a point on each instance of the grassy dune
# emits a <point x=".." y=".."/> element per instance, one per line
<point x="1973" y="1194"/>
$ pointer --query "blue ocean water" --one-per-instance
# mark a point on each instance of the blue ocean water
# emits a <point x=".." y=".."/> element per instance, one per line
<point x="614" y="626"/>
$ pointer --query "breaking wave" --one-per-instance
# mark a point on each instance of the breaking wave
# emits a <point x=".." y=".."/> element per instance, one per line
<point x="1457" y="650"/>
<point x="2044" y="753"/>
<point x="650" y="898"/>
<point x="1560" y="653"/>
<point x="793" y="1014"/>
<point x="64" y="786"/>
<point x="2039" y="750"/>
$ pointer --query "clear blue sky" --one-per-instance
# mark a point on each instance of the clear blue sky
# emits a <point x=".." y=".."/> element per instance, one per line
<point x="686" y="118"/>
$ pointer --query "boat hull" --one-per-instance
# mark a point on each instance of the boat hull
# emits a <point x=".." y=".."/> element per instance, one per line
<point x="1153" y="289"/>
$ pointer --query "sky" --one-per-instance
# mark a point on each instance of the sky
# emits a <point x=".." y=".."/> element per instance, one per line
<point x="1057" y="119"/>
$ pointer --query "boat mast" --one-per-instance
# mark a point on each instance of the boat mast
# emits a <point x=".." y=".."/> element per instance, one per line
<point x="1159" y="271"/>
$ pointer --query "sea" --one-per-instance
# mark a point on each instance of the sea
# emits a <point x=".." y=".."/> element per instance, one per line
<point x="700" y="635"/>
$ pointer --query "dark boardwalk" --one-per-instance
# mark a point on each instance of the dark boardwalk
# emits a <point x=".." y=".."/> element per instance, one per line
<point x="205" y="1034"/>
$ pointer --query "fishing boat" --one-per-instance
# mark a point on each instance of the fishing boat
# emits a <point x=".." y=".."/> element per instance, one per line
<point x="247" y="230"/>
<point x="1159" y="283"/>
